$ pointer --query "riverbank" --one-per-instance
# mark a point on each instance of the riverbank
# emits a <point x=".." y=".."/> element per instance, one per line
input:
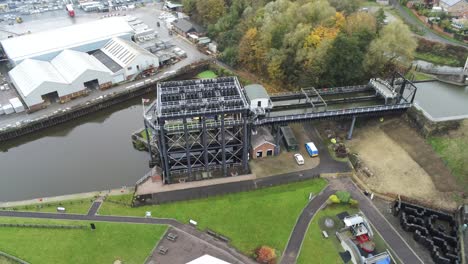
<point x="138" y="89"/>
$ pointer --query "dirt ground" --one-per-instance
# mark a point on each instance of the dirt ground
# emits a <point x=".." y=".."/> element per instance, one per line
<point x="284" y="162"/>
<point x="395" y="171"/>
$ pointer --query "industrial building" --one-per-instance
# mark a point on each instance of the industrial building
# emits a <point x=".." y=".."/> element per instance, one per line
<point x="68" y="75"/>
<point x="126" y="59"/>
<point x="85" y="37"/>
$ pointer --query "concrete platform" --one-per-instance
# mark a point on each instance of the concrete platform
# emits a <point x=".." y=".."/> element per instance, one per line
<point x="155" y="184"/>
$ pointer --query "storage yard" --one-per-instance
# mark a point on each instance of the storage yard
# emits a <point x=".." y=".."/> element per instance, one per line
<point x="106" y="58"/>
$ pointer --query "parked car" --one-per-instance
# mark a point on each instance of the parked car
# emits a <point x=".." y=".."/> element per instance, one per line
<point x="299" y="159"/>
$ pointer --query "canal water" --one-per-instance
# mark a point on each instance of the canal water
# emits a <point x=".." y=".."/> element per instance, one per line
<point x="88" y="154"/>
<point x="442" y="101"/>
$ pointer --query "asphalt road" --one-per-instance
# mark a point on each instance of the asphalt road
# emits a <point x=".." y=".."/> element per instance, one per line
<point x="300" y="229"/>
<point x="428" y="34"/>
<point x="94" y="208"/>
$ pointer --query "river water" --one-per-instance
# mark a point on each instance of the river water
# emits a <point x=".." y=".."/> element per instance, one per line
<point x="88" y="154"/>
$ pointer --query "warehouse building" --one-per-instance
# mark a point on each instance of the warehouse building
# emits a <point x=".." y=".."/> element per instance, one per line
<point x="68" y="75"/>
<point x="126" y="59"/>
<point x="85" y="37"/>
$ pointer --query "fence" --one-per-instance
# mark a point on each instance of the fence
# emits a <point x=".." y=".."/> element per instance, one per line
<point x="45" y="226"/>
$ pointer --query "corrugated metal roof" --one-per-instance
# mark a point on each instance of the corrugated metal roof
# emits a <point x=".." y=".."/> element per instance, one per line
<point x="30" y="74"/>
<point x="123" y="52"/>
<point x="71" y="64"/>
<point x="451" y="2"/>
<point x="44" y="42"/>
<point x="256" y="91"/>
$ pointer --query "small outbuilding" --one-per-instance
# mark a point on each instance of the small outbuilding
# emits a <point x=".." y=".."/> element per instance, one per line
<point x="184" y="27"/>
<point x="258" y="96"/>
<point x="262" y="143"/>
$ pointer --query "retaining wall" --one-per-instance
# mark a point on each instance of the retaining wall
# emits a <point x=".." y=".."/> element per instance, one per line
<point x="222" y="189"/>
<point x="427" y="127"/>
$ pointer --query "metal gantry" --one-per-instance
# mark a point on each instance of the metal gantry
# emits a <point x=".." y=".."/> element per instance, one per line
<point x="199" y="129"/>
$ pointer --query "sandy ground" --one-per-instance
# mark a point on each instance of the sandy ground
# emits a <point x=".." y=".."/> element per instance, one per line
<point x="395" y="171"/>
<point x="284" y="162"/>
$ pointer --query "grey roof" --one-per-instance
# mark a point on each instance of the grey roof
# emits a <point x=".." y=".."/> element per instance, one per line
<point x="184" y="25"/>
<point x="263" y="136"/>
<point x="107" y="61"/>
<point x="256" y="91"/>
<point x="451" y="2"/>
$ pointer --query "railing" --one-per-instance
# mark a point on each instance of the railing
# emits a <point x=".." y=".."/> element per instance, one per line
<point x="325" y="91"/>
<point x="196" y="126"/>
<point x="355" y="111"/>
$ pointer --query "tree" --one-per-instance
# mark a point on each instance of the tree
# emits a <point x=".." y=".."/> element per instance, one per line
<point x="266" y="255"/>
<point x="395" y="44"/>
<point x="347" y="6"/>
<point x="210" y="10"/>
<point x="360" y="21"/>
<point x="230" y="56"/>
<point x="189" y="6"/>
<point x="380" y="17"/>
<point x="251" y="52"/>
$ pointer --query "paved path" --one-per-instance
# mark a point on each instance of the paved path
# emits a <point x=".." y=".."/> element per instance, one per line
<point x="300" y="229"/>
<point x="403" y="251"/>
<point x="94" y="207"/>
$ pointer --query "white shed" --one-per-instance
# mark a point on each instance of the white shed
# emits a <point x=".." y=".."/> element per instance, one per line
<point x="258" y="96"/>
<point x="17" y="105"/>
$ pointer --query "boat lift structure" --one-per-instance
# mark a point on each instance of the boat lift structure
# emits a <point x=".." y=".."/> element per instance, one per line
<point x="202" y="128"/>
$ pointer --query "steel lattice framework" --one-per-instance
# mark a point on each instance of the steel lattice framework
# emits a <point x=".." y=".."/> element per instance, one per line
<point x="201" y="128"/>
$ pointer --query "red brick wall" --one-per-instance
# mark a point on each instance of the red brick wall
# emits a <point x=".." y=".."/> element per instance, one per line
<point x="265" y="147"/>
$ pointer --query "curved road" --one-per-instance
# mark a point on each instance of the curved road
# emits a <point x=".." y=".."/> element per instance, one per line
<point x="428" y="34"/>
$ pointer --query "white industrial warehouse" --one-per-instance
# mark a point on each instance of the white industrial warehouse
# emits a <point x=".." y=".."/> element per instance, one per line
<point x="62" y="67"/>
<point x="85" y="37"/>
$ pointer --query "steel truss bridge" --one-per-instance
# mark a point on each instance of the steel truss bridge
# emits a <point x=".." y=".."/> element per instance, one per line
<point x="201" y="129"/>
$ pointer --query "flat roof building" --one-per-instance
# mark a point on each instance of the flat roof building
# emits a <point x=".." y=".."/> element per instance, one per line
<point x="85" y="37"/>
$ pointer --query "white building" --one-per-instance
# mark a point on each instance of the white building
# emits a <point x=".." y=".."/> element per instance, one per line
<point x="85" y="37"/>
<point x="258" y="96"/>
<point x="67" y="76"/>
<point x="126" y="59"/>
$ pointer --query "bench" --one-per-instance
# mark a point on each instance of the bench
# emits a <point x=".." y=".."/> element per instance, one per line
<point x="162" y="250"/>
<point x="172" y="237"/>
<point x="325" y="234"/>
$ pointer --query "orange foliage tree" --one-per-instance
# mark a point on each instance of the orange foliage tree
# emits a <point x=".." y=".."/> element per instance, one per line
<point x="266" y="255"/>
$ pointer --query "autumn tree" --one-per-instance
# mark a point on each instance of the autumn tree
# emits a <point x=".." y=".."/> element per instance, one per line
<point x="265" y="255"/>
<point x="394" y="45"/>
<point x="210" y="11"/>
<point x="251" y="52"/>
<point x="360" y="21"/>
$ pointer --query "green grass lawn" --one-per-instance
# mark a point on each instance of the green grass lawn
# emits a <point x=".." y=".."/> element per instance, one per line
<point x="131" y="243"/>
<point x="207" y="75"/>
<point x="439" y="60"/>
<point x="80" y="206"/>
<point x="454" y="151"/>
<point x="317" y="248"/>
<point x="249" y="219"/>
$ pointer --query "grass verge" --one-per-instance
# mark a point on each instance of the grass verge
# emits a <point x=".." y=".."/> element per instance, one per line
<point x="439" y="60"/>
<point x="130" y="243"/>
<point x="454" y="152"/>
<point x="249" y="219"/>
<point x="207" y="75"/>
<point x="80" y="206"/>
<point x="315" y="246"/>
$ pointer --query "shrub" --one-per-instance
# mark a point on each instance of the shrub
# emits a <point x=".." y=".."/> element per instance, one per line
<point x="343" y="196"/>
<point x="265" y="255"/>
<point x="353" y="203"/>
<point x="334" y="199"/>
